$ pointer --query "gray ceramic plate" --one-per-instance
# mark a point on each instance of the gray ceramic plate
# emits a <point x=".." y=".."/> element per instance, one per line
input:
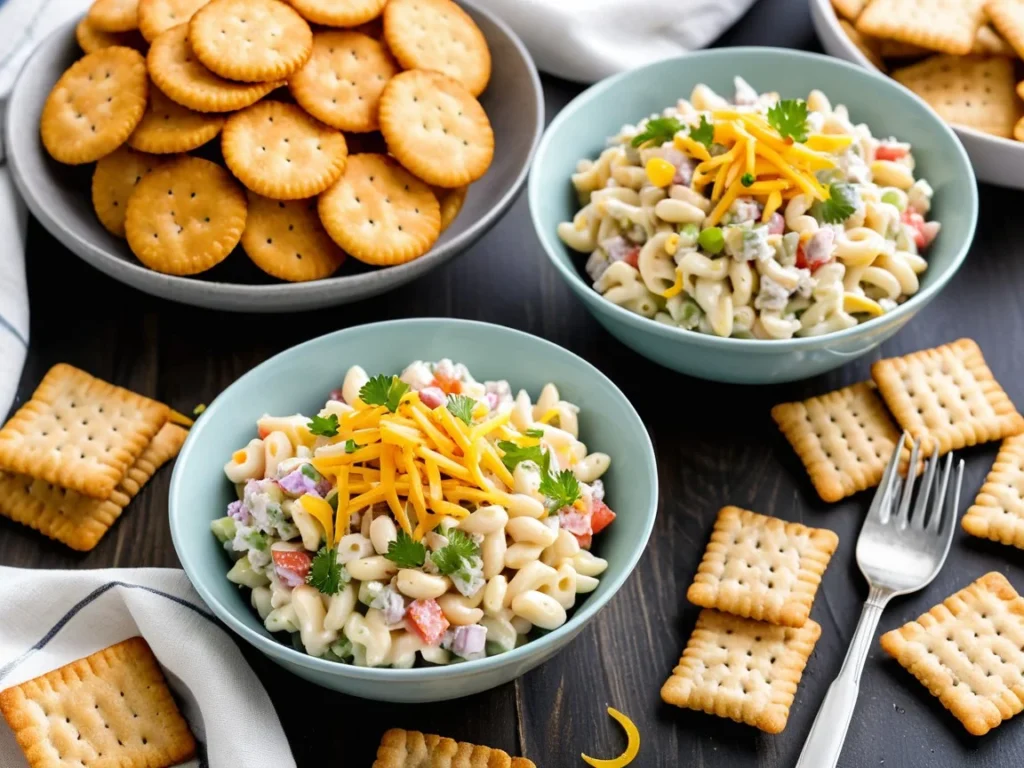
<point x="58" y="195"/>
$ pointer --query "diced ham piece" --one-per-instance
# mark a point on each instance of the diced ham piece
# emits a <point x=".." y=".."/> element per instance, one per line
<point x="817" y="251"/>
<point x="424" y="617"/>
<point x="924" y="231"/>
<point x="433" y="397"/>
<point x="468" y="642"/>
<point x="891" y="151"/>
<point x="578" y="524"/>
<point x="336" y="395"/>
<point x="776" y="224"/>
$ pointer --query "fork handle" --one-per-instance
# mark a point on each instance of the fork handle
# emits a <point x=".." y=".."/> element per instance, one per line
<point x="825" y="742"/>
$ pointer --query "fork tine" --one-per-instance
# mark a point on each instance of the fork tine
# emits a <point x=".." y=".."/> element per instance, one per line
<point x="920" y="513"/>
<point x="954" y="503"/>
<point x="880" y="503"/>
<point x="940" y="496"/>
<point x="908" y="486"/>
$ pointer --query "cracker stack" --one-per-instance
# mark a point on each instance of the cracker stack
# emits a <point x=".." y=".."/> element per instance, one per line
<point x="945" y="397"/>
<point x="960" y="56"/>
<point x="756" y="583"/>
<point x="162" y="78"/>
<point x="410" y="749"/>
<point x="74" y="455"/>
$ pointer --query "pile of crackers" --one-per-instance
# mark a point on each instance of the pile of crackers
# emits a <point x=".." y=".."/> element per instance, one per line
<point x="345" y="128"/>
<point x="756" y="584"/>
<point x="961" y="56"/>
<point x="74" y="455"/>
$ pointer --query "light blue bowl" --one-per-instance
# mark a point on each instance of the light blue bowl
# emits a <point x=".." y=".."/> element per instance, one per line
<point x="299" y="380"/>
<point x="581" y="129"/>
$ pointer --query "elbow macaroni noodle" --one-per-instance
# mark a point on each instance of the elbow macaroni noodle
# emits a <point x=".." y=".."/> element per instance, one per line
<point x="524" y="556"/>
<point x="730" y="233"/>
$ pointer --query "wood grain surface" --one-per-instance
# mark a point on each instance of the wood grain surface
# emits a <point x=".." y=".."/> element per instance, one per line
<point x="716" y="445"/>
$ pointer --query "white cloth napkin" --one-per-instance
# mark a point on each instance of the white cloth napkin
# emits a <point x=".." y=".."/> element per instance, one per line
<point x="50" y="618"/>
<point x="586" y="40"/>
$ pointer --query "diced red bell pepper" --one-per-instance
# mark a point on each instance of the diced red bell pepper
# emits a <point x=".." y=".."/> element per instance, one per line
<point x="812" y="264"/>
<point x="450" y="386"/>
<point x="601" y="516"/>
<point x="585" y="540"/>
<point x="890" y="152"/>
<point x="632" y="256"/>
<point x="296" y="561"/>
<point x="425" y="618"/>
<point x="916" y="222"/>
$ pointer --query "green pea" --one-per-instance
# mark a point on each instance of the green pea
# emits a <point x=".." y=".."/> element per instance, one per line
<point x="894" y="198"/>
<point x="712" y="240"/>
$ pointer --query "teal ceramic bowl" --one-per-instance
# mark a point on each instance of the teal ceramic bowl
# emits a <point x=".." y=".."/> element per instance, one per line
<point x="300" y="379"/>
<point x="581" y="129"/>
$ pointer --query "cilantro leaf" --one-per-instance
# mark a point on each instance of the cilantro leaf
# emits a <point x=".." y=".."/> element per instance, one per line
<point x="450" y="557"/>
<point x="406" y="552"/>
<point x="704" y="133"/>
<point x="658" y="130"/>
<point x="351" y="446"/>
<point x="324" y="426"/>
<point x="325" y="571"/>
<point x="384" y="390"/>
<point x="563" y="489"/>
<point x="513" y="454"/>
<point x="840" y="205"/>
<point x="534" y="433"/>
<point x="461" y="407"/>
<point x="789" y="118"/>
<point x="747" y="179"/>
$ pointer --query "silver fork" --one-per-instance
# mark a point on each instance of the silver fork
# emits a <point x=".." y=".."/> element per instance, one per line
<point x="899" y="551"/>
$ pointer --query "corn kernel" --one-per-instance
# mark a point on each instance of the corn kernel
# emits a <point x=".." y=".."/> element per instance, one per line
<point x="660" y="171"/>
<point x="672" y="244"/>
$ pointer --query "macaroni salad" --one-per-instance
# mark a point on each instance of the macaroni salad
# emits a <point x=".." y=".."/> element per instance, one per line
<point x="426" y="513"/>
<point x="756" y="218"/>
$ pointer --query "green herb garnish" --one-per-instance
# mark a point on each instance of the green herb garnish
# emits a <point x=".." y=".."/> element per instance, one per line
<point x="384" y="390"/>
<point x="351" y="446"/>
<point x="324" y="426"/>
<point x="406" y="552"/>
<point x="840" y="205"/>
<point x="325" y="571"/>
<point x="658" y="130"/>
<point x="563" y="489"/>
<point x="534" y="433"/>
<point x="704" y="133"/>
<point x="450" y="557"/>
<point x="310" y="471"/>
<point x="513" y="454"/>
<point x="461" y="407"/>
<point x="789" y="118"/>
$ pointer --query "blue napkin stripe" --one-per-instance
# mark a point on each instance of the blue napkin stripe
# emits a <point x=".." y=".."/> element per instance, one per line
<point x="4" y="322"/>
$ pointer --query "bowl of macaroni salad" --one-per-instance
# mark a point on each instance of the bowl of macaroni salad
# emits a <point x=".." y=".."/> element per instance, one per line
<point x="752" y="234"/>
<point x="416" y="532"/>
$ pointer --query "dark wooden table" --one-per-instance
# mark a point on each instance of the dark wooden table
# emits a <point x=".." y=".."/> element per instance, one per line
<point x="716" y="445"/>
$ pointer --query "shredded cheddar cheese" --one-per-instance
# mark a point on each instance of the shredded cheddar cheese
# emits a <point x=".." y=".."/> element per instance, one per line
<point x="180" y="419"/>
<point x="632" y="744"/>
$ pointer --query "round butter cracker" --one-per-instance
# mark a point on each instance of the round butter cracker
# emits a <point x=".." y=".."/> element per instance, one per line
<point x="339" y="13"/>
<point x="341" y="82"/>
<point x="380" y="213"/>
<point x="250" y="40"/>
<point x="185" y="217"/>
<point x="177" y="72"/>
<point x="113" y="181"/>
<point x="157" y="16"/>
<point x="279" y="151"/>
<point x="451" y="201"/>
<point x="167" y="127"/>
<point x="286" y="240"/>
<point x="438" y="35"/>
<point x="436" y="128"/>
<point x="95" y="105"/>
<point x="114" y="15"/>
<point x="90" y="39"/>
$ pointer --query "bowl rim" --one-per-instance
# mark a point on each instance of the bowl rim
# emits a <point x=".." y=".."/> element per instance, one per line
<point x="178" y="286"/>
<point x="548" y="642"/>
<point x="761" y="346"/>
<point x="997" y="142"/>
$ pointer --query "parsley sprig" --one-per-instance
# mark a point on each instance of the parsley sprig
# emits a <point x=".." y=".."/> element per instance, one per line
<point x="840" y="205"/>
<point x="563" y="489"/>
<point x="384" y="390"/>
<point x="789" y="118"/>
<point x="326" y="573"/>
<point x="703" y="132"/>
<point x="351" y="446"/>
<point x="459" y="549"/>
<point x="658" y="130"/>
<point x="406" y="552"/>
<point x="513" y="454"/>
<point x="461" y="407"/>
<point x="324" y="426"/>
